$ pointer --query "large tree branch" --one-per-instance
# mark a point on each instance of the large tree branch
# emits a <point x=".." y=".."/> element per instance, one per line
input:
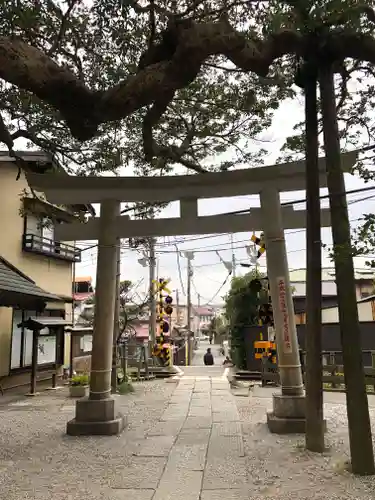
<point x="154" y="150"/>
<point x="84" y="110"/>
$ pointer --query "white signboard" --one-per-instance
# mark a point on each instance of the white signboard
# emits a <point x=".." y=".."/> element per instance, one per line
<point x="283" y="307"/>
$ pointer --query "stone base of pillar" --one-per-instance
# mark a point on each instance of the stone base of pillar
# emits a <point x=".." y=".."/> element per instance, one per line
<point x="96" y="418"/>
<point x="288" y="415"/>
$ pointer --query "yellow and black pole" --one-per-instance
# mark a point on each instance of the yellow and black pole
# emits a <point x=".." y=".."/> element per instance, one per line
<point x="164" y="308"/>
<point x="260" y="243"/>
<point x="168" y="309"/>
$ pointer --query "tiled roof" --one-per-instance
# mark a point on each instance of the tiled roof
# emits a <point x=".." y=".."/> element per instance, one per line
<point x="328" y="288"/>
<point x="16" y="288"/>
<point x="328" y="274"/>
<point x="203" y="311"/>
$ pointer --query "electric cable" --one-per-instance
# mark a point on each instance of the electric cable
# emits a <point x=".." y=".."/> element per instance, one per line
<point x="218" y="291"/>
<point x="201" y="249"/>
<point x="179" y="271"/>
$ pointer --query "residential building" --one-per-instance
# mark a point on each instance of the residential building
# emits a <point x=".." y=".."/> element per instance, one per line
<point x="364" y="283"/>
<point x="83" y="293"/>
<point x="365" y="306"/>
<point x="36" y="270"/>
<point x="201" y="316"/>
<point x="205" y="315"/>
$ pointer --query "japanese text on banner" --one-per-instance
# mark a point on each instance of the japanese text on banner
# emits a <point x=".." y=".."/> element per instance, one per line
<point x="283" y="306"/>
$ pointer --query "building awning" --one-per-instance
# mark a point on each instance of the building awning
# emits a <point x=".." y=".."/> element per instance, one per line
<point x="42" y="207"/>
<point x="18" y="290"/>
<point x="40" y="322"/>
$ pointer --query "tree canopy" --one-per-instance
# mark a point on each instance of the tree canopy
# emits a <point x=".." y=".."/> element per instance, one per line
<point x="103" y="84"/>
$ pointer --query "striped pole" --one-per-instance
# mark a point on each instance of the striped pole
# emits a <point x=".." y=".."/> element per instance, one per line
<point x="260" y="243"/>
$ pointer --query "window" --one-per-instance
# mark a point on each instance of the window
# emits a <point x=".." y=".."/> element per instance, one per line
<point x="42" y="231"/>
<point x="40" y="226"/>
<point x="22" y="341"/>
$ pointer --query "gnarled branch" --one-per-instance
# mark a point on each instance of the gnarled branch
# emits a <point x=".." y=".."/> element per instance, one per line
<point x="84" y="109"/>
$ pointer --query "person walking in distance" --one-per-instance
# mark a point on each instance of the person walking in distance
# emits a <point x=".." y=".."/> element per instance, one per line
<point x="208" y="359"/>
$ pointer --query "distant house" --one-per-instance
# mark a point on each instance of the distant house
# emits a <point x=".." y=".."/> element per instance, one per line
<point x="141" y="329"/>
<point x="83" y="292"/>
<point x="83" y="288"/>
<point x="366" y="311"/>
<point x="203" y="315"/>
<point x="364" y="282"/>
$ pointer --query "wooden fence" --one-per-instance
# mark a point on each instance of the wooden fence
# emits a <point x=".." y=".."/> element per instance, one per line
<point x="333" y="372"/>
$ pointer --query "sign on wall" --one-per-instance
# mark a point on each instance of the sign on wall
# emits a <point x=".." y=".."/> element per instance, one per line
<point x="283" y="307"/>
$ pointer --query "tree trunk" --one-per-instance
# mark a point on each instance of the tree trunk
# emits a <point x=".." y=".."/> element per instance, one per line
<point x="362" y="456"/>
<point x="314" y="386"/>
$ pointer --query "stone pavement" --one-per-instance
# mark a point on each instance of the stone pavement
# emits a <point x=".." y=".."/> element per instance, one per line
<point x="187" y="439"/>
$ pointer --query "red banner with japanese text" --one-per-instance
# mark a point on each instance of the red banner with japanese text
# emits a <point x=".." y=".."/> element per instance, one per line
<point x="283" y="307"/>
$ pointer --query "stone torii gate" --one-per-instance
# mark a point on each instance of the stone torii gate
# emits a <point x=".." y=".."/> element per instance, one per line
<point x="97" y="413"/>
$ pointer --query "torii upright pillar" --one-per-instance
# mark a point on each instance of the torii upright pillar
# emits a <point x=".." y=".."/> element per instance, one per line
<point x="288" y="415"/>
<point x="97" y="415"/>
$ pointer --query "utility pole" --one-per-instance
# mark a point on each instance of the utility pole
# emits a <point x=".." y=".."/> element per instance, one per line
<point x="116" y="323"/>
<point x="152" y="301"/>
<point x="177" y="307"/>
<point x="199" y="299"/>
<point x="189" y="275"/>
<point x="257" y="260"/>
<point x="233" y="257"/>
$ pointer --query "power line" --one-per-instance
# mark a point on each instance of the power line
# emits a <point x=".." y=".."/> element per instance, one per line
<point x="219" y="290"/>
<point x="179" y="271"/>
<point x="203" y="249"/>
<point x="198" y="249"/>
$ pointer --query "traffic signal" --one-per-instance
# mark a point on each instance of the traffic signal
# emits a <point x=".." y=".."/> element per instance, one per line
<point x="265" y="314"/>
<point x="168" y="309"/>
<point x="164" y="326"/>
<point x="255" y="285"/>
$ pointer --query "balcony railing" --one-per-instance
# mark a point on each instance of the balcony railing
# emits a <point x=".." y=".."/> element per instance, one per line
<point x="45" y="246"/>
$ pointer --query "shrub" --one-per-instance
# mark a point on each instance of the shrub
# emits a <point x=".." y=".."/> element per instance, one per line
<point x="125" y="388"/>
<point x="82" y="379"/>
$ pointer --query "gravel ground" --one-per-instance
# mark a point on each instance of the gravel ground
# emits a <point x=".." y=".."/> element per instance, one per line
<point x="281" y="467"/>
<point x="39" y="461"/>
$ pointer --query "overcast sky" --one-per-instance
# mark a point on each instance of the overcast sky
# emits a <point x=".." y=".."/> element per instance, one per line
<point x="209" y="272"/>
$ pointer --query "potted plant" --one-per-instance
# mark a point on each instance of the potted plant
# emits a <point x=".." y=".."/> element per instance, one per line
<point x="79" y="386"/>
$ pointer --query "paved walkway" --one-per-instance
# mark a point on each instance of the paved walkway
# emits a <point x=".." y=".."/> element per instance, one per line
<point x="187" y="439"/>
<point x="206" y="457"/>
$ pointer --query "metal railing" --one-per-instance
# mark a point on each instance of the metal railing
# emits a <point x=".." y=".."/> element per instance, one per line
<point x="45" y="246"/>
